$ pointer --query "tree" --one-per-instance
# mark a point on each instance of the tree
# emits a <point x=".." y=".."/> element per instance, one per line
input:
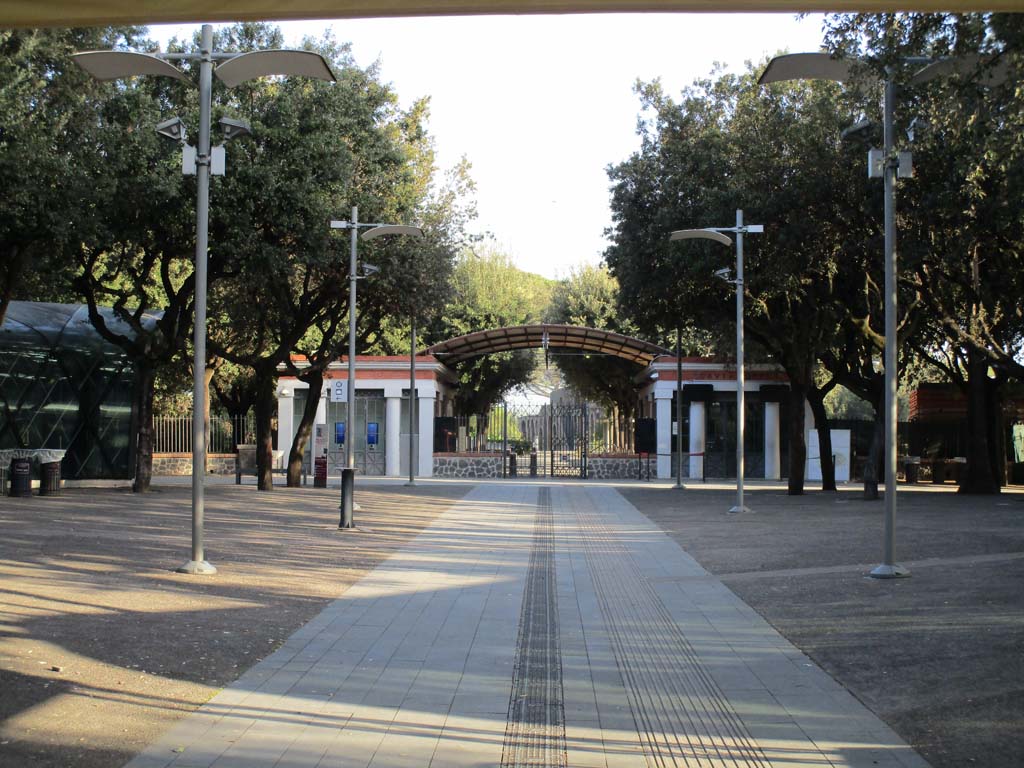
<point x="775" y="153"/>
<point x="961" y="238"/>
<point x="588" y="297"/>
<point x="316" y="150"/>
<point x="488" y="291"/>
<point x="47" y="121"/>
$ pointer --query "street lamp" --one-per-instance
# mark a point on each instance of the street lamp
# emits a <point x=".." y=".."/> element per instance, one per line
<point x="232" y="69"/>
<point x="715" y="234"/>
<point x="889" y="165"/>
<point x="372" y="231"/>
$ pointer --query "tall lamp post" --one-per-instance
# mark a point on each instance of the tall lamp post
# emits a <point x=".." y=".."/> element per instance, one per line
<point x="202" y="161"/>
<point x="715" y="234"/>
<point x="372" y="231"/>
<point x="890" y="165"/>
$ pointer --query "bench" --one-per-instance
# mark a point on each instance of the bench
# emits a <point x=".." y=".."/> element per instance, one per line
<point x="245" y="463"/>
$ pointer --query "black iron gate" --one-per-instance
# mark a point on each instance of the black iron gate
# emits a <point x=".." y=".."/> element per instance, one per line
<point x="542" y="440"/>
<point x="567" y="440"/>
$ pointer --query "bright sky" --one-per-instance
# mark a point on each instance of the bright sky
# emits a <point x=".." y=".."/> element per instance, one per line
<point x="541" y="105"/>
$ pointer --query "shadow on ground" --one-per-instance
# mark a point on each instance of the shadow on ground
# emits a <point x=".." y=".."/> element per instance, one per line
<point x="939" y="656"/>
<point x="102" y="645"/>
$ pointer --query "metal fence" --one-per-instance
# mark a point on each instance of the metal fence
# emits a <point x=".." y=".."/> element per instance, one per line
<point x="173" y="434"/>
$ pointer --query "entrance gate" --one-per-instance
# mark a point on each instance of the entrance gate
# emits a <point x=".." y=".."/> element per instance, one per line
<point x="550" y="440"/>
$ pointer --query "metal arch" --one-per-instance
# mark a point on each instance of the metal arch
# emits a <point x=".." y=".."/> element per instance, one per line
<point x="513" y="337"/>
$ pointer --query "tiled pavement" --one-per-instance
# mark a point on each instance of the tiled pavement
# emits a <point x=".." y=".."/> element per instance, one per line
<point x="534" y="625"/>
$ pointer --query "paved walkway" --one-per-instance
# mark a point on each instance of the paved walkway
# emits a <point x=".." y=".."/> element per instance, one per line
<point x="534" y="625"/>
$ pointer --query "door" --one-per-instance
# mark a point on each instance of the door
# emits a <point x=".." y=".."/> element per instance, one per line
<point x="368" y="443"/>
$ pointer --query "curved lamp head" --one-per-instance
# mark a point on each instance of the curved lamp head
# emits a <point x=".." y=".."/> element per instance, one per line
<point x="700" y="234"/>
<point x="391" y="229"/>
<point x="968" y="64"/>
<point x="806" y="66"/>
<point x="248" y="66"/>
<point x="112" y="65"/>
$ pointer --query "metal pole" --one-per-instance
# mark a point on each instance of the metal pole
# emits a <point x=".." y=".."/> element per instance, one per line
<point x="504" y="438"/>
<point x="412" y="405"/>
<point x="679" y="410"/>
<point x="740" y="411"/>
<point x="888" y="569"/>
<point x="347" y="499"/>
<point x="198" y="563"/>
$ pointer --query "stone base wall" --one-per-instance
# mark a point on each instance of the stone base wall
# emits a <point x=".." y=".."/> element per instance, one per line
<point x="467" y="465"/>
<point x="615" y="467"/>
<point x="180" y="464"/>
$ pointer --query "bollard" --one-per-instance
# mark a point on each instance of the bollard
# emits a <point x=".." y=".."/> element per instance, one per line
<point x="348" y="481"/>
<point x="533" y="463"/>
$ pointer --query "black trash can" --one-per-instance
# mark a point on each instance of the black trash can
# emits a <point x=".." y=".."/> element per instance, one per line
<point x="21" y="477"/>
<point x="49" y="479"/>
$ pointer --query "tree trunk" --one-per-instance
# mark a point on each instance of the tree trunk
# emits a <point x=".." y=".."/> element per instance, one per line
<point x="145" y="376"/>
<point x="208" y="377"/>
<point x="978" y="477"/>
<point x="302" y="434"/>
<point x="821" y="424"/>
<point x="265" y="405"/>
<point x="871" y="466"/>
<point x="797" y="444"/>
<point x="998" y="431"/>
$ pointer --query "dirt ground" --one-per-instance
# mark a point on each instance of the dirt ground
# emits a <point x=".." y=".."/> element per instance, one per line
<point x="939" y="656"/>
<point x="103" y="646"/>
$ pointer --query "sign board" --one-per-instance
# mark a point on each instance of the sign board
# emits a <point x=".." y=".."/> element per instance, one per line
<point x="339" y="391"/>
<point x="320" y="440"/>
<point x="372" y="435"/>
<point x="339" y="432"/>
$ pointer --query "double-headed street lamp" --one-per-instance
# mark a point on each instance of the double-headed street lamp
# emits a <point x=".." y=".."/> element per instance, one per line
<point x="202" y="161"/>
<point x="888" y="164"/>
<point x="715" y="234"/>
<point x="372" y="231"/>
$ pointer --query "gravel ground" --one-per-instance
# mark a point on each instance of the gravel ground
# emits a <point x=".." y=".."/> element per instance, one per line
<point x="103" y="646"/>
<point x="939" y="656"/>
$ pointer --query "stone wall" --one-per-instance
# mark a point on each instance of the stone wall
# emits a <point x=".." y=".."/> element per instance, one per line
<point x="468" y="465"/>
<point x="181" y="464"/>
<point x="624" y="467"/>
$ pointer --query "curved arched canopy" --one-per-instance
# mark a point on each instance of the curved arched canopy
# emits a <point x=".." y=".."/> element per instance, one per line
<point x="546" y="336"/>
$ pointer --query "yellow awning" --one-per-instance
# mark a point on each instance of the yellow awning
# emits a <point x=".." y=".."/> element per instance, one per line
<point x="65" y="13"/>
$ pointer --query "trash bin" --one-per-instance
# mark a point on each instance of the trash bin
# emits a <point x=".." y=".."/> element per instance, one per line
<point x="21" y="477"/>
<point x="912" y="468"/>
<point x="512" y="469"/>
<point x="49" y="479"/>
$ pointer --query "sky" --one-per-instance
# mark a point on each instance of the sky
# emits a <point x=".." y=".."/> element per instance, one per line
<point x="542" y="105"/>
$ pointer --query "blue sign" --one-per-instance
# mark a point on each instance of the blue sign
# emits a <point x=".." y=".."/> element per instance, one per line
<point x="339" y="432"/>
<point x="371" y="433"/>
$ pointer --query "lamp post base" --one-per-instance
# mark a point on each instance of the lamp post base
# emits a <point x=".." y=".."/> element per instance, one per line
<point x="197" y="568"/>
<point x="738" y="509"/>
<point x="887" y="571"/>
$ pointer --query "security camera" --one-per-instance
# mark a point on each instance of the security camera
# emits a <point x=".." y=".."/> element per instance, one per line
<point x="370" y="269"/>
<point x="172" y="129"/>
<point x="234" y="128"/>
<point x="724" y="273"/>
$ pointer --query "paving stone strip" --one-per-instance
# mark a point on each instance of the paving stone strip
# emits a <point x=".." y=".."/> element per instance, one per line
<point x="535" y="733"/>
<point x="681" y="715"/>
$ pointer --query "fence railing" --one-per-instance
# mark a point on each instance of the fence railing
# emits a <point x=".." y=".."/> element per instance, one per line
<point x="173" y="434"/>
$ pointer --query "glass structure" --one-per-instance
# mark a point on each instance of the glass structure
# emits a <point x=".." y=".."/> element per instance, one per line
<point x="62" y="385"/>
